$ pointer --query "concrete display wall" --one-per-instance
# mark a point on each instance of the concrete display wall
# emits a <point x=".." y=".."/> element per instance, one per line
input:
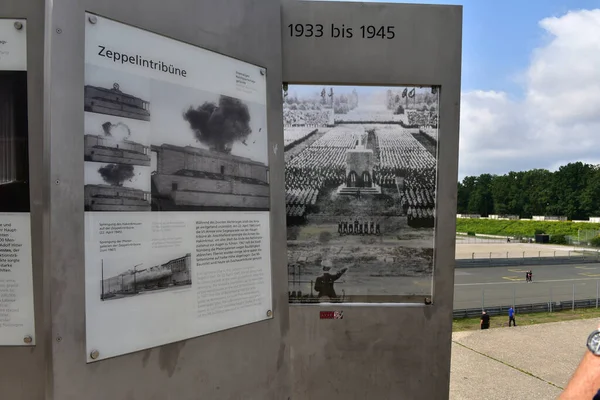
<point x="246" y="362"/>
<point x="249" y="362"/>
<point x="24" y="371"/>
<point x="382" y="352"/>
<point x="374" y="352"/>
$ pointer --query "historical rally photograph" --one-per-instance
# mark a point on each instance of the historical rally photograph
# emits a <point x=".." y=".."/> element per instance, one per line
<point x="360" y="178"/>
<point x="122" y="278"/>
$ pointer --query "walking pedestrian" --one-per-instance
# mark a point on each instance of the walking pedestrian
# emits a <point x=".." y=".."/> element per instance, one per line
<point x="485" y="320"/>
<point x="511" y="317"/>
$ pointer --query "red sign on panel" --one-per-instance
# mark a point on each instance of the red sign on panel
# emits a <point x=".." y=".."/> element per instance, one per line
<point x="331" y="314"/>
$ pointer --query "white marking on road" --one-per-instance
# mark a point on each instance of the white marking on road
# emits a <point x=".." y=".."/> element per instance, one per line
<point x="513" y="283"/>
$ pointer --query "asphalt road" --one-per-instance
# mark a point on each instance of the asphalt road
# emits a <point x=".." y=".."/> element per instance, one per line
<point x="498" y="286"/>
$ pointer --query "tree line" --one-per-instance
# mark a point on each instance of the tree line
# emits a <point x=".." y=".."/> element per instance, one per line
<point x="573" y="191"/>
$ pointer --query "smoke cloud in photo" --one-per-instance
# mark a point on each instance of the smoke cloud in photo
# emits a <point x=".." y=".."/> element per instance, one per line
<point x="116" y="174"/>
<point x="119" y="131"/>
<point x="220" y="126"/>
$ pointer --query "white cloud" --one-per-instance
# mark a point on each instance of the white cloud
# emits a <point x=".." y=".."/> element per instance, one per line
<point x="558" y="121"/>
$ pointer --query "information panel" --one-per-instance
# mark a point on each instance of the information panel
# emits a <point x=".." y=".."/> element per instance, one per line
<point x="16" y="283"/>
<point x="176" y="191"/>
<point x="360" y="177"/>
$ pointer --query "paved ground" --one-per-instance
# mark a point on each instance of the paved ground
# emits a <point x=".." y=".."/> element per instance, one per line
<point x="510" y="250"/>
<point x="495" y="286"/>
<point x="530" y="362"/>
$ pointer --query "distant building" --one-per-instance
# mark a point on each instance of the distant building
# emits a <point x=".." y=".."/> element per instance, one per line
<point x="595" y="219"/>
<point x="114" y="102"/>
<point x="196" y="179"/>
<point x="468" y="216"/>
<point x="548" y="218"/>
<point x="503" y="217"/>
<point x="115" y="198"/>
<point x="107" y="150"/>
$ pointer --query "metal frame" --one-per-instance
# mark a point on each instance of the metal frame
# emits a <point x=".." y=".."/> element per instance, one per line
<point x="425" y="52"/>
<point x="179" y="369"/>
<point x="25" y="376"/>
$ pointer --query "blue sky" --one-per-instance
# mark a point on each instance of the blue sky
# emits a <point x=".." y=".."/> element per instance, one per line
<point x="530" y="84"/>
<point x="499" y="36"/>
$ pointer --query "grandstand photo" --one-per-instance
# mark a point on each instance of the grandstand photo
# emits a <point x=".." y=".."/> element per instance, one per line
<point x="360" y="178"/>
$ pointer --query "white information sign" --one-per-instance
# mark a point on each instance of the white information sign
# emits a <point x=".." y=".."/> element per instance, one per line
<point x="13" y="45"/>
<point x="176" y="191"/>
<point x="17" y="327"/>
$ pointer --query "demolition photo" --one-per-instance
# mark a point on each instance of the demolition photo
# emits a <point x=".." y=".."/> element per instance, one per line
<point x="14" y="144"/>
<point x="360" y="177"/>
<point x="209" y="151"/>
<point x="116" y="139"/>
<point x="122" y="278"/>
<point x="116" y="187"/>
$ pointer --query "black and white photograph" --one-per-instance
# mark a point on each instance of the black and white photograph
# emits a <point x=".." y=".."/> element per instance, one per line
<point x="14" y="159"/>
<point x="124" y="278"/>
<point x="116" y="187"/>
<point x="117" y="141"/>
<point x="360" y="174"/>
<point x="209" y="151"/>
<point x="116" y="93"/>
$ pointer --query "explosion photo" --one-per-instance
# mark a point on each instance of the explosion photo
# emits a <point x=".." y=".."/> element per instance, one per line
<point x="223" y="141"/>
<point x="360" y="178"/>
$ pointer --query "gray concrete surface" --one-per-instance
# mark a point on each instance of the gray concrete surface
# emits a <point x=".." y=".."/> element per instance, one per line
<point x="530" y="362"/>
<point x="496" y="286"/>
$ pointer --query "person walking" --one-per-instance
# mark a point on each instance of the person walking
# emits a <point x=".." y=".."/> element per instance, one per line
<point x="485" y="320"/>
<point x="511" y="317"/>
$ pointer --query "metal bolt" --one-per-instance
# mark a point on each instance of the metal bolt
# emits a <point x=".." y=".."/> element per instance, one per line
<point x="92" y="19"/>
<point x="94" y="354"/>
<point x="262" y="72"/>
<point x="27" y="339"/>
<point x="57" y="182"/>
<point x="269" y="313"/>
<point x="58" y="30"/>
<point x="59" y="339"/>
<point x="18" y="26"/>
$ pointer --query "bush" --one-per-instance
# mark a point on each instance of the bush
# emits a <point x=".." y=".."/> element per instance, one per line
<point x="522" y="228"/>
<point x="470" y="233"/>
<point x="595" y="242"/>
<point x="558" y="239"/>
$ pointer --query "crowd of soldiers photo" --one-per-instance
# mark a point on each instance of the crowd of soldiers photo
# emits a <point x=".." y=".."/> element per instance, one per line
<point x="358" y="228"/>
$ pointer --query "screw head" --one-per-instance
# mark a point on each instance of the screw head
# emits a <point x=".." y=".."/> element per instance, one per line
<point x="59" y="339"/>
<point x="94" y="354"/>
<point x="58" y="30"/>
<point x="92" y="19"/>
<point x="27" y="339"/>
<point x="269" y="313"/>
<point x="18" y="25"/>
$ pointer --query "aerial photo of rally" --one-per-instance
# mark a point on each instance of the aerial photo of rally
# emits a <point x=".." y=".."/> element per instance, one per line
<point x="360" y="167"/>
